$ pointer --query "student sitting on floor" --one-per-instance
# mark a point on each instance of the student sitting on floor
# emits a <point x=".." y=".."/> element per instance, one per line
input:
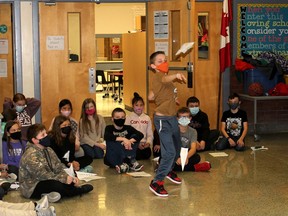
<point x="91" y="130"/>
<point x="189" y="140"/>
<point x="66" y="109"/>
<point x="122" y="142"/>
<point x="141" y="122"/>
<point x="63" y="143"/>
<point x="25" y="108"/>
<point x="42" y="172"/>
<point x="12" y="146"/>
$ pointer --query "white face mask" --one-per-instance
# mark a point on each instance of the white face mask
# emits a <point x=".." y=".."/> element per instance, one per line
<point x="184" y="121"/>
<point x="20" y="108"/>
<point x="66" y="113"/>
<point x="194" y="110"/>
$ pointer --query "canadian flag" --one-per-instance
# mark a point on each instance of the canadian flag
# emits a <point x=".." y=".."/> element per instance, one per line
<point x="224" y="53"/>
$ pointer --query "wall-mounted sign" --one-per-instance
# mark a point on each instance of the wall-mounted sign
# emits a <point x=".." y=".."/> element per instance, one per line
<point x="162" y="46"/>
<point x="3" y="29"/>
<point x="55" y="43"/>
<point x="262" y="27"/>
<point x="4" y="46"/>
<point x="3" y="67"/>
<point x="161" y="24"/>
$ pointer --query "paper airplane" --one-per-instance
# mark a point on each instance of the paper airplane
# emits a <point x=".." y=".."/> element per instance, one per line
<point x="83" y="176"/>
<point x="256" y="148"/>
<point x="183" y="156"/>
<point x="70" y="171"/>
<point x="184" y="48"/>
<point x="139" y="174"/>
<point x="66" y="156"/>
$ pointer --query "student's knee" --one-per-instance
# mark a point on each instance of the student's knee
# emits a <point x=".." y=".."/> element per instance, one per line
<point x="222" y="144"/>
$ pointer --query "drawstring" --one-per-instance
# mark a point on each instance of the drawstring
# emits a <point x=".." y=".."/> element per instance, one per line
<point x="160" y="128"/>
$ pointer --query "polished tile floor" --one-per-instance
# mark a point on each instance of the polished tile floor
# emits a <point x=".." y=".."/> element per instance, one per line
<point x="106" y="105"/>
<point x="241" y="184"/>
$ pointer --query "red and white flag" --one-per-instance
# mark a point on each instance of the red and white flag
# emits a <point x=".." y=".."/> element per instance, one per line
<point x="224" y="53"/>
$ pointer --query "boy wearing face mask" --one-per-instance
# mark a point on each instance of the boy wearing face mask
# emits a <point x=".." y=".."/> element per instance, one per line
<point x="189" y="140"/>
<point x="234" y="125"/>
<point x="41" y="172"/>
<point x="121" y="144"/>
<point x="163" y="93"/>
<point x="200" y="123"/>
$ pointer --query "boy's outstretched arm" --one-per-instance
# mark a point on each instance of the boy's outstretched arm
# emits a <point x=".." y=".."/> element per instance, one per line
<point x="173" y="77"/>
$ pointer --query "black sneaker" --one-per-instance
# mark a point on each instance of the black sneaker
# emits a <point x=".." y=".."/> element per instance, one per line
<point x="123" y="168"/>
<point x="136" y="166"/>
<point x="158" y="188"/>
<point x="172" y="176"/>
<point x="86" y="188"/>
<point x="5" y="186"/>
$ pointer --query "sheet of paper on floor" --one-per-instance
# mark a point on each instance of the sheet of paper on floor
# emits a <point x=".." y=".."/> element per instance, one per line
<point x="218" y="154"/>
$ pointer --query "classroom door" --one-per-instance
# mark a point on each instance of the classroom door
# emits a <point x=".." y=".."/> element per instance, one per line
<point x="64" y="74"/>
<point x="207" y="75"/>
<point x="6" y="53"/>
<point x="170" y="24"/>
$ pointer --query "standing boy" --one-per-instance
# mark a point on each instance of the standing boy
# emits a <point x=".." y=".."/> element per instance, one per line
<point x="163" y="92"/>
<point x="234" y="125"/>
<point x="121" y="144"/>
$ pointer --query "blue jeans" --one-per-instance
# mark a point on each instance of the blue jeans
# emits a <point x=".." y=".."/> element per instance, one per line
<point x="93" y="152"/>
<point x="116" y="153"/>
<point x="170" y="144"/>
<point x="223" y="143"/>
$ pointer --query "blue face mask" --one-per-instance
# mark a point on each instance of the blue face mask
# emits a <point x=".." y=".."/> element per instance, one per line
<point x="233" y="106"/>
<point x="184" y="121"/>
<point x="194" y="110"/>
<point x="20" y="108"/>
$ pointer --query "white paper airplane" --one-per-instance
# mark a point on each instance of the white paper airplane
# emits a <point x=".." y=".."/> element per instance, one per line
<point x="66" y="156"/>
<point x="70" y="171"/>
<point x="184" y="48"/>
<point x="183" y="156"/>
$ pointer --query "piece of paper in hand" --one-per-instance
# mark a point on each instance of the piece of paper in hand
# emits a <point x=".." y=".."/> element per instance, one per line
<point x="70" y="171"/>
<point x="183" y="156"/>
<point x="66" y="156"/>
<point x="184" y="48"/>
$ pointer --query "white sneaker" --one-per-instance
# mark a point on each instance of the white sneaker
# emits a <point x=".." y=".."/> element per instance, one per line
<point x="46" y="212"/>
<point x="53" y="196"/>
<point x="43" y="203"/>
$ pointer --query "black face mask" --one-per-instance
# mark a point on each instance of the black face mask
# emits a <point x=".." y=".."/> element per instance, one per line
<point x="16" y="135"/>
<point x="66" y="130"/>
<point x="119" y="122"/>
<point x="45" y="141"/>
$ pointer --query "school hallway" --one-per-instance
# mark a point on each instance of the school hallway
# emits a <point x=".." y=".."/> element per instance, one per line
<point x="242" y="183"/>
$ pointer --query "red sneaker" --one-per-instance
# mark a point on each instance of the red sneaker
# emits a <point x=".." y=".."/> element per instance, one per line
<point x="158" y="188"/>
<point x="172" y="176"/>
<point x="202" y="167"/>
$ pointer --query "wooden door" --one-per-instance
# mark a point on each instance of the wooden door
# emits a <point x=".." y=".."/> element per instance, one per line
<point x="6" y="58"/>
<point x="179" y="16"/>
<point x="60" y="78"/>
<point x="207" y="73"/>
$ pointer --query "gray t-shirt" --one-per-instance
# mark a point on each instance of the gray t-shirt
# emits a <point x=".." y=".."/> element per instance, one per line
<point x="188" y="137"/>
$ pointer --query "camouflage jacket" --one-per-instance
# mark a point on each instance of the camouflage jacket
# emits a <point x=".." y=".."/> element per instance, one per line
<point x="35" y="166"/>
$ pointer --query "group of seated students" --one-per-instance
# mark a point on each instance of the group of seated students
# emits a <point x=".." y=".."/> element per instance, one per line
<point x="38" y="157"/>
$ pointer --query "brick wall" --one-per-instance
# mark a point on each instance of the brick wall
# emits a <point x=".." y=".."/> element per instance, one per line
<point x="272" y="116"/>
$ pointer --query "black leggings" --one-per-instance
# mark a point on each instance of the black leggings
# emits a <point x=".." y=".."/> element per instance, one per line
<point x="195" y="159"/>
<point x="52" y="185"/>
